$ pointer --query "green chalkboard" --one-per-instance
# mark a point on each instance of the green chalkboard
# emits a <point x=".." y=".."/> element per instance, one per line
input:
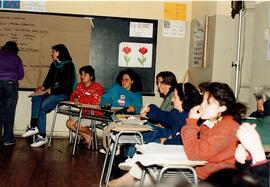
<point x="107" y="34"/>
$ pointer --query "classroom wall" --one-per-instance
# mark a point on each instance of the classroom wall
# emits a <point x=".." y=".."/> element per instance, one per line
<point x="172" y="53"/>
<point x="260" y="65"/>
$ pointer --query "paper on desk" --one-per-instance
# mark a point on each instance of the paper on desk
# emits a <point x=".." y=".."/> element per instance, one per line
<point x="132" y="127"/>
<point x="159" y="154"/>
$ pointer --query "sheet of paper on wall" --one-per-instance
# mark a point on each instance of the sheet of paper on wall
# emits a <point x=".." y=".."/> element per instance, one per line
<point x="172" y="28"/>
<point x="139" y="29"/>
<point x="135" y="55"/>
<point x="268" y="50"/>
<point x="38" y="6"/>
<point x="198" y="42"/>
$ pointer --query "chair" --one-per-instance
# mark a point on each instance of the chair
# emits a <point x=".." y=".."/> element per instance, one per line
<point x="169" y="175"/>
<point x="70" y="108"/>
<point x="121" y="138"/>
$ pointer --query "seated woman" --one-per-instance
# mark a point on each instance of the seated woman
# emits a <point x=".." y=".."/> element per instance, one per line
<point x="166" y="82"/>
<point x="59" y="84"/>
<point x="86" y="92"/>
<point x="214" y="141"/>
<point x="125" y="93"/>
<point x="263" y="121"/>
<point x="168" y="124"/>
<point x="252" y="167"/>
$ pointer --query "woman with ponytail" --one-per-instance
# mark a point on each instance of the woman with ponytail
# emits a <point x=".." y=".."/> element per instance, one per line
<point x="57" y="86"/>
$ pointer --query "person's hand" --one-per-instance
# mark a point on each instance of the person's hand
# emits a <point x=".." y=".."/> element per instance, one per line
<point x="76" y="101"/>
<point x="240" y="154"/>
<point x="144" y="111"/>
<point x="49" y="90"/>
<point x="250" y="139"/>
<point x="195" y="113"/>
<point x="131" y="109"/>
<point x="39" y="89"/>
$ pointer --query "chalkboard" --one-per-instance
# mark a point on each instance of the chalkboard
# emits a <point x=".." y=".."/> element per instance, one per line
<point x="36" y="33"/>
<point x="107" y="34"/>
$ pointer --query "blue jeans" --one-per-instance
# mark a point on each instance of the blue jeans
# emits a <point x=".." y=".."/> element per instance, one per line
<point x="41" y="105"/>
<point x="8" y="103"/>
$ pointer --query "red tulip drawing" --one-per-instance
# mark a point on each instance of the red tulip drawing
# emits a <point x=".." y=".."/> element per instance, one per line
<point x="126" y="50"/>
<point x="143" y="51"/>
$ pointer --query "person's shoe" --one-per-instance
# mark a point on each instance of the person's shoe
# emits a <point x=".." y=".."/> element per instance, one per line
<point x="30" y="131"/>
<point x="126" y="166"/>
<point x="13" y="142"/>
<point x="102" y="151"/>
<point x="40" y="141"/>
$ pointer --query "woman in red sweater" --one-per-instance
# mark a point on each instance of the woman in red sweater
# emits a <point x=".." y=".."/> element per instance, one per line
<point x="215" y="139"/>
<point x="86" y="92"/>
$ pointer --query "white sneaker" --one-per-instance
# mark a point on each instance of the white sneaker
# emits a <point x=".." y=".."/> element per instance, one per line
<point x="40" y="141"/>
<point x="30" y="131"/>
<point x="102" y="151"/>
<point x="127" y="165"/>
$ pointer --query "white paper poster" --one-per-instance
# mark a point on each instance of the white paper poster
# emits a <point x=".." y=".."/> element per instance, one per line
<point x="34" y="5"/>
<point x="139" y="29"/>
<point x="198" y="42"/>
<point x="172" y="28"/>
<point x="135" y="55"/>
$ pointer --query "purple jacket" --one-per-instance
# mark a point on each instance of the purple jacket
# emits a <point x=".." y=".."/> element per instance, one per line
<point x="11" y="67"/>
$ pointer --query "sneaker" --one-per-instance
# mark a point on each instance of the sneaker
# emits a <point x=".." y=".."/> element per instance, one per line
<point x="13" y="142"/>
<point x="30" y="131"/>
<point x="102" y="151"/>
<point x="40" y="141"/>
<point x="126" y="166"/>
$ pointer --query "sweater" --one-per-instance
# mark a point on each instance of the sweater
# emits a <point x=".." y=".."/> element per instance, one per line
<point x="60" y="78"/>
<point x="118" y="96"/>
<point x="172" y="120"/>
<point x="166" y="104"/>
<point x="11" y="66"/>
<point x="216" y="145"/>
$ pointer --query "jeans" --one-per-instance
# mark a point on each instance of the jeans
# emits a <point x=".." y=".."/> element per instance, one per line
<point x="41" y="105"/>
<point x="8" y="103"/>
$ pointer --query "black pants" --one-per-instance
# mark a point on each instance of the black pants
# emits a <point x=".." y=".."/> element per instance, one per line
<point x="8" y="103"/>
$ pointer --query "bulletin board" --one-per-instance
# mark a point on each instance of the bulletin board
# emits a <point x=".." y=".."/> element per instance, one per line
<point x="111" y="36"/>
<point x="36" y="33"/>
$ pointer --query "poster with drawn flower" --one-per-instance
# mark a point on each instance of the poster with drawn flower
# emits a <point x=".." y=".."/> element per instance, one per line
<point x="135" y="55"/>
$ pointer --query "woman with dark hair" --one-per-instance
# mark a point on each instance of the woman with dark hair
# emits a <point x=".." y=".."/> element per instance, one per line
<point x="215" y="140"/>
<point x="58" y="85"/>
<point x="166" y="82"/>
<point x="86" y="92"/>
<point x="185" y="97"/>
<point x="125" y="93"/>
<point x="11" y="72"/>
<point x="168" y="124"/>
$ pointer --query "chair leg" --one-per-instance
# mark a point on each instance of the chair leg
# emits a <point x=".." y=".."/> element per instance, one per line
<point x="104" y="166"/>
<point x="107" y="179"/>
<point x="77" y="133"/>
<point x="53" y="125"/>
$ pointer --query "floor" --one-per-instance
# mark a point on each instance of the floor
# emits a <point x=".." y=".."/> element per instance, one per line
<point x="22" y="166"/>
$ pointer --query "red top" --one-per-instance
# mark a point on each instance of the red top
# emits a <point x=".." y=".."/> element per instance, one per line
<point x="87" y="95"/>
<point x="216" y="145"/>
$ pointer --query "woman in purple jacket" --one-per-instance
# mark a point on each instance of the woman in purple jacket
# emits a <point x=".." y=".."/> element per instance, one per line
<point x="10" y="72"/>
